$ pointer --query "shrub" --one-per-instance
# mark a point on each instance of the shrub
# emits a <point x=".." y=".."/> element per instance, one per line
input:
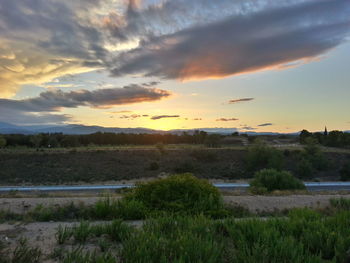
<point x="212" y="140"/>
<point x="153" y="166"/>
<point x="304" y="168"/>
<point x="185" y="167"/>
<point x="2" y="141"/>
<point x="262" y="156"/>
<point x="182" y="192"/>
<point x="204" y="156"/>
<point x="313" y="153"/>
<point x="345" y="172"/>
<point x="271" y="179"/>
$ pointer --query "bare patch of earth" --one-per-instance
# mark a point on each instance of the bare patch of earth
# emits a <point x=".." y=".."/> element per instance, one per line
<point x="252" y="202"/>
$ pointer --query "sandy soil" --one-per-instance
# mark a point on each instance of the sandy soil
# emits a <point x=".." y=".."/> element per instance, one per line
<point x="253" y="203"/>
<point x="270" y="203"/>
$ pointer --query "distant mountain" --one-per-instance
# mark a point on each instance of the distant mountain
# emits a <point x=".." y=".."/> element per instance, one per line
<point x="208" y="130"/>
<point x="82" y="129"/>
<point x="7" y="128"/>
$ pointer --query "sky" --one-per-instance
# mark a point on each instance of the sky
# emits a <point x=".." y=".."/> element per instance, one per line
<point x="250" y="65"/>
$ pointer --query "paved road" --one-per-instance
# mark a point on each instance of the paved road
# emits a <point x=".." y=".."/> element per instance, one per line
<point x="324" y="186"/>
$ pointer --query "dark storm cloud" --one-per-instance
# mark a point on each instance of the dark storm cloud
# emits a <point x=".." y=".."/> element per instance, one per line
<point x="158" y="117"/>
<point x="54" y="100"/>
<point x="265" y="124"/>
<point x="240" y="100"/>
<point x="227" y="119"/>
<point x="269" y="38"/>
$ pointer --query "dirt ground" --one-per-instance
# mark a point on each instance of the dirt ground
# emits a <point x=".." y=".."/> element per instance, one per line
<point x="253" y="203"/>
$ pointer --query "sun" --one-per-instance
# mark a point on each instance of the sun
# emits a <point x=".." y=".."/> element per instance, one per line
<point x="165" y="124"/>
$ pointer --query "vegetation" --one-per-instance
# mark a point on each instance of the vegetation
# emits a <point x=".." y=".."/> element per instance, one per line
<point x="178" y="193"/>
<point x="261" y="156"/>
<point x="52" y="140"/>
<point x="2" y="141"/>
<point x="23" y="253"/>
<point x="332" y="139"/>
<point x="345" y="172"/>
<point x="268" y="180"/>
<point x="303" y="236"/>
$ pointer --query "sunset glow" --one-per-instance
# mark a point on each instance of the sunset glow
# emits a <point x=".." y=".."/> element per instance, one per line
<point x="176" y="64"/>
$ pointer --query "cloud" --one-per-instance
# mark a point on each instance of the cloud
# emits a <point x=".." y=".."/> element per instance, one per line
<point x="55" y="100"/>
<point x="248" y="128"/>
<point x="176" y="39"/>
<point x="32" y="118"/>
<point x="158" y="117"/>
<point x="37" y="44"/>
<point x="227" y="119"/>
<point x="120" y="112"/>
<point x="271" y="38"/>
<point x="133" y="116"/>
<point x="265" y="124"/>
<point x="240" y="100"/>
<point x="40" y="109"/>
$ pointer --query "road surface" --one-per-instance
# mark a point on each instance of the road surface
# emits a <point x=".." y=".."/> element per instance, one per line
<point x="322" y="186"/>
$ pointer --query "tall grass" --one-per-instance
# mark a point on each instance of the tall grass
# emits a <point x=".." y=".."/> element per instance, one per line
<point x="303" y="236"/>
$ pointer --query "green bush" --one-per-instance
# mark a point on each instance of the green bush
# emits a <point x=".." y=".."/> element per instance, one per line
<point x="178" y="193"/>
<point x="262" y="156"/>
<point x="304" y="168"/>
<point x="345" y="172"/>
<point x="312" y="152"/>
<point x="271" y="179"/>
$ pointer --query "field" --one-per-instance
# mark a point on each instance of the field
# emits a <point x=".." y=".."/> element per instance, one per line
<point x="178" y="218"/>
<point x="110" y="164"/>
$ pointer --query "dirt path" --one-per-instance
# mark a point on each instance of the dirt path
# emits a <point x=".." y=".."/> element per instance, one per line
<point x="270" y="203"/>
<point x="253" y="203"/>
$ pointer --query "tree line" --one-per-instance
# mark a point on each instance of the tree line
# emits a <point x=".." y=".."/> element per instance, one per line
<point x="331" y="139"/>
<point x="53" y="140"/>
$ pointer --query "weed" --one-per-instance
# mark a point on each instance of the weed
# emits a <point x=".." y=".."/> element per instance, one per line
<point x="25" y="254"/>
<point x="63" y="234"/>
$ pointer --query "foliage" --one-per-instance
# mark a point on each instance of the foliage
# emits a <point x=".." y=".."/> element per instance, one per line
<point x="153" y="166"/>
<point x="204" y="156"/>
<point x="261" y="156"/>
<point x="345" y="172"/>
<point x="212" y="140"/>
<point x="2" y="141"/>
<point x="340" y="203"/>
<point x="25" y="254"/>
<point x="182" y="192"/>
<point x="333" y="138"/>
<point x="271" y="179"/>
<point x="313" y="154"/>
<point x="305" y="168"/>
